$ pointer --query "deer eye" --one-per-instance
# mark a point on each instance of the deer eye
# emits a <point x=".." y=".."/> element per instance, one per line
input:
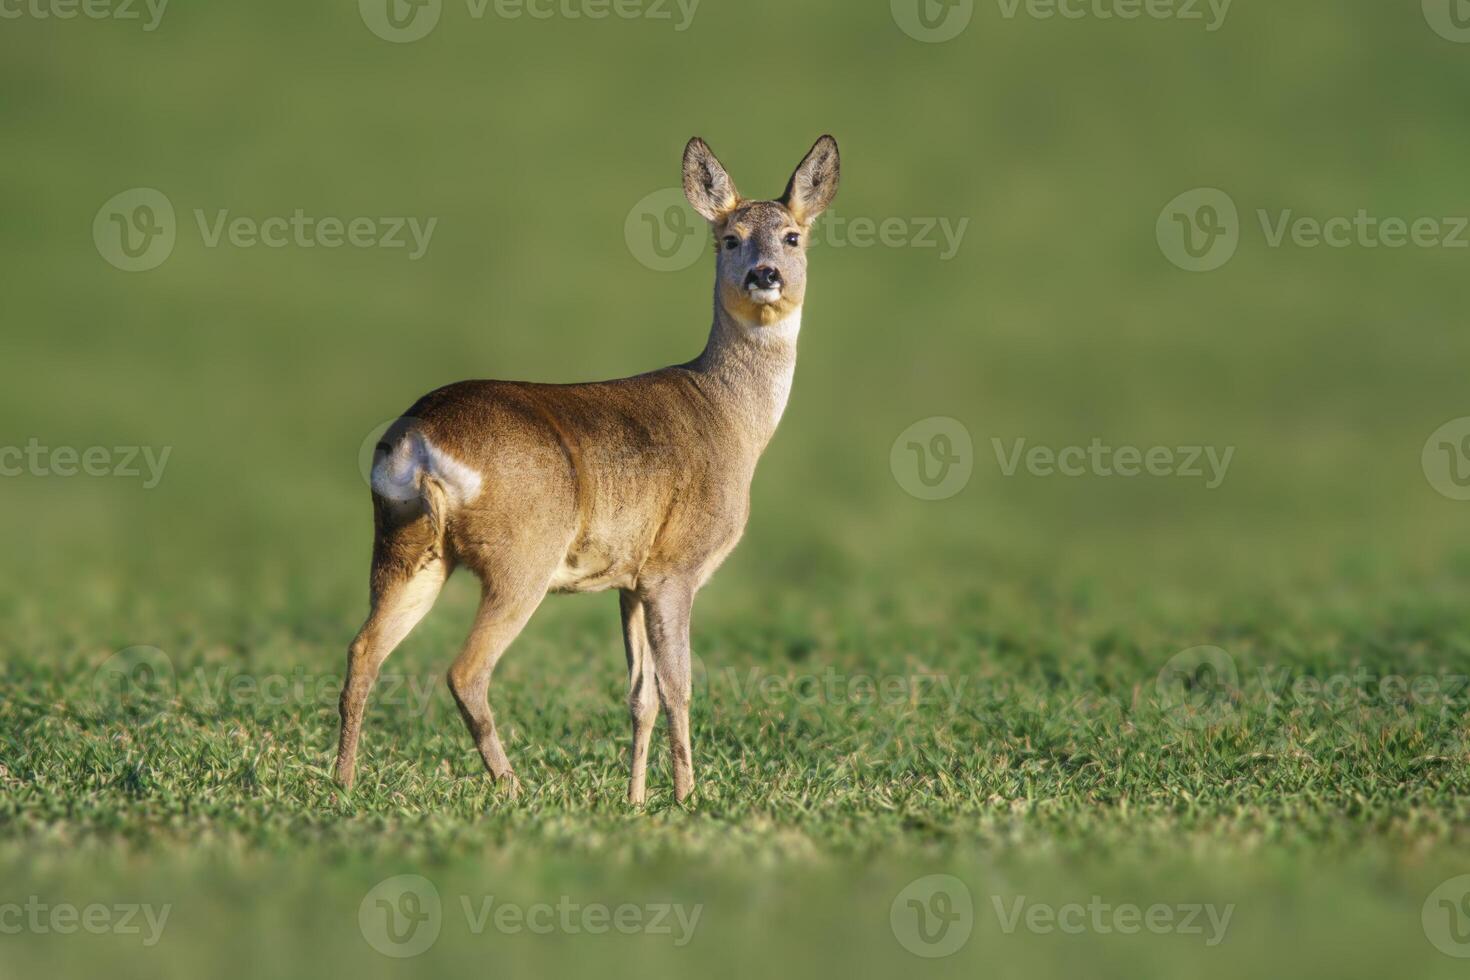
<point x="731" y="243"/>
<point x="793" y="239"/>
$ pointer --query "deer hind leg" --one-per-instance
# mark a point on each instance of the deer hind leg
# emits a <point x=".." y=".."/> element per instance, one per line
<point x="642" y="694"/>
<point x="401" y="598"/>
<point x="499" y="621"/>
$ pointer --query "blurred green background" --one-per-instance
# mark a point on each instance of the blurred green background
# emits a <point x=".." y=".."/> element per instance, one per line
<point x="1058" y="319"/>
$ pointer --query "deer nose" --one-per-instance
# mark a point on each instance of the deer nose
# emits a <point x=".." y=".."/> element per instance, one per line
<point x="764" y="277"/>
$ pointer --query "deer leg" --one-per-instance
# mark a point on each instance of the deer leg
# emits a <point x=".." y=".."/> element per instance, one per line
<point x="498" y="622"/>
<point x="667" y="611"/>
<point x="398" y="606"/>
<point x="642" y="694"/>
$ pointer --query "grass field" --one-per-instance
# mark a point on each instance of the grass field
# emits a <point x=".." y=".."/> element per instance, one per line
<point x="1146" y="725"/>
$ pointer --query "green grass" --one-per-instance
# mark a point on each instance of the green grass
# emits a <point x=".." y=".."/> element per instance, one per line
<point x="844" y="746"/>
<point x="1017" y="632"/>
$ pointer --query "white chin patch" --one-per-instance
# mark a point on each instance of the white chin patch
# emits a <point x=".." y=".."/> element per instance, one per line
<point x="765" y="296"/>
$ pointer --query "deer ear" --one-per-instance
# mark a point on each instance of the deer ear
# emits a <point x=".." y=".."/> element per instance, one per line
<point x="706" y="184"/>
<point x="815" y="182"/>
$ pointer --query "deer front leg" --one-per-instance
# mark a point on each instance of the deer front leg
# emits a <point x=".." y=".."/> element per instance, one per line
<point x="666" y="611"/>
<point x="642" y="694"/>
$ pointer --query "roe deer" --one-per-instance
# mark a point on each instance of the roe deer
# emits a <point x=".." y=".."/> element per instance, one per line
<point x="640" y="485"/>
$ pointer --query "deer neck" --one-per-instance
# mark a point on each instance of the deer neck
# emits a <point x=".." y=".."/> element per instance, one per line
<point x="750" y="369"/>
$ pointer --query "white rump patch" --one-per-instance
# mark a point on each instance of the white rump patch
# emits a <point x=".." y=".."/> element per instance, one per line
<point x="399" y="475"/>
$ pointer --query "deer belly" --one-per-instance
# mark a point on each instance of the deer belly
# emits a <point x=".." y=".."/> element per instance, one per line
<point x="589" y="568"/>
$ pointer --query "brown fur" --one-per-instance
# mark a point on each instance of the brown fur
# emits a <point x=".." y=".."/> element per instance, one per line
<point x="640" y="485"/>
